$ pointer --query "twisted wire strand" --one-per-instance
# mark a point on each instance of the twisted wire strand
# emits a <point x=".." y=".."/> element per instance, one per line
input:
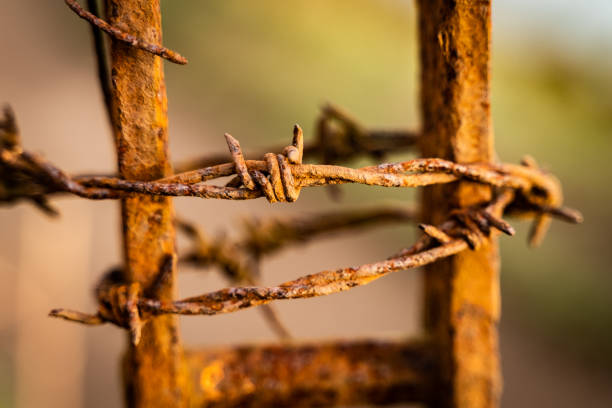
<point x="279" y="178"/>
<point x="461" y="232"/>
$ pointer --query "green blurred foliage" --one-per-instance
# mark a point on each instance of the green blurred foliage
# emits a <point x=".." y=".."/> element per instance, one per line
<point x="257" y="68"/>
<point x="560" y="110"/>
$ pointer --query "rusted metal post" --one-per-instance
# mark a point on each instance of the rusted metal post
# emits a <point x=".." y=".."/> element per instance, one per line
<point x="153" y="370"/>
<point x="462" y="301"/>
<point x="312" y="375"/>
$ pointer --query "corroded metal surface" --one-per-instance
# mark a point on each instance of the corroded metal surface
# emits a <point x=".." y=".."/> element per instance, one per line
<point x="311" y="375"/>
<point x="152" y="370"/>
<point x="462" y="299"/>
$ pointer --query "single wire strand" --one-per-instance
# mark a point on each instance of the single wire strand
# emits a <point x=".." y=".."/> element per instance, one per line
<point x="130" y="39"/>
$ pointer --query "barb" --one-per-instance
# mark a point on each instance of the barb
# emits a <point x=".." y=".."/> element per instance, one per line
<point x="544" y="201"/>
<point x="9" y="132"/>
<point x="74" y="316"/>
<point x="281" y="186"/>
<point x="435" y="233"/>
<point x="120" y="35"/>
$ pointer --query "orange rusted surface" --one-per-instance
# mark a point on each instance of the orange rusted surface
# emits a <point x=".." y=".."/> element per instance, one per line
<point x="153" y="369"/>
<point x="311" y="375"/>
<point x="462" y="300"/>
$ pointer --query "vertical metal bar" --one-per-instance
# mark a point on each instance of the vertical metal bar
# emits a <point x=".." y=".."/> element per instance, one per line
<point x="154" y="372"/>
<point x="462" y="301"/>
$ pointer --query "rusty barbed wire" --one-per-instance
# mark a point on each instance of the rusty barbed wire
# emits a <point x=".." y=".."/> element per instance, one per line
<point x="280" y="171"/>
<point x="127" y="38"/>
<point x="239" y="259"/>
<point x="465" y="229"/>
<point x="233" y="299"/>
<point x="280" y="177"/>
<point x="36" y="180"/>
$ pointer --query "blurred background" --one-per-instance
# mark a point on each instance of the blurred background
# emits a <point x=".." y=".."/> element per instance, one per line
<point x="255" y="69"/>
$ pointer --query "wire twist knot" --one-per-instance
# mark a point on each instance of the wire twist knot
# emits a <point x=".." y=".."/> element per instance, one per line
<point x="279" y="185"/>
<point x="118" y="303"/>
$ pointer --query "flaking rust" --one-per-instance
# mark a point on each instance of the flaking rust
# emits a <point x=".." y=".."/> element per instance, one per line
<point x="455" y="104"/>
<point x="306" y="375"/>
<point x="153" y="370"/>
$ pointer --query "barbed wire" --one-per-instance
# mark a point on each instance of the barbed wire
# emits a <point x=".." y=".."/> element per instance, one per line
<point x="123" y="304"/>
<point x="521" y="189"/>
<point x="38" y="179"/>
<point x="280" y="177"/>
